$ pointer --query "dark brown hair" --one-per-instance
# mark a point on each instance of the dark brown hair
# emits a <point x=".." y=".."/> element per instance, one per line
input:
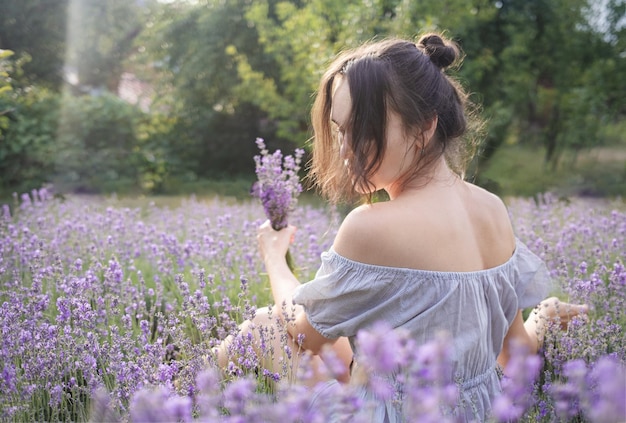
<point x="389" y="75"/>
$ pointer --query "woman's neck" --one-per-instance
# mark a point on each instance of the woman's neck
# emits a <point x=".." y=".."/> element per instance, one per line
<point x="438" y="175"/>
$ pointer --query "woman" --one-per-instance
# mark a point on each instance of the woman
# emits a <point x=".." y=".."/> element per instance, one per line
<point x="439" y="255"/>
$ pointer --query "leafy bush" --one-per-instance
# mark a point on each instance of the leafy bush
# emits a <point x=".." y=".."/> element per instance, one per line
<point x="97" y="147"/>
<point x="28" y="139"/>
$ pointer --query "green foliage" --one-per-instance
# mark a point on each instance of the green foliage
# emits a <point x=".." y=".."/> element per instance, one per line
<point x="5" y="88"/>
<point x="28" y="139"/>
<point x="155" y="142"/>
<point x="100" y="38"/>
<point x="546" y="73"/>
<point x="97" y="147"/>
<point x="297" y="40"/>
<point x="518" y="170"/>
<point x="550" y="72"/>
<point x="36" y="28"/>
<point x="5" y="84"/>
<point x="185" y="53"/>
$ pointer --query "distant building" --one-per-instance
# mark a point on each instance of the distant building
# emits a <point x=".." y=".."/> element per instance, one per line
<point x="135" y="91"/>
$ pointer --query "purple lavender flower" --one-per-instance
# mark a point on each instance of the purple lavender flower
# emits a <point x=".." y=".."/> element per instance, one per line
<point x="277" y="204"/>
<point x="380" y="347"/>
<point x="517" y="384"/>
<point x="607" y="402"/>
<point x="278" y="184"/>
<point x="102" y="407"/>
<point x="8" y="378"/>
<point x="597" y="393"/>
<point x="430" y="393"/>
<point x="567" y="396"/>
<point x="238" y="394"/>
<point x="180" y="408"/>
<point x="95" y="294"/>
<point x="417" y="379"/>
<point x="152" y="405"/>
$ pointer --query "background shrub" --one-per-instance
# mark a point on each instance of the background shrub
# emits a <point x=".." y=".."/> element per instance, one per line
<point x="27" y="139"/>
<point x="97" y="144"/>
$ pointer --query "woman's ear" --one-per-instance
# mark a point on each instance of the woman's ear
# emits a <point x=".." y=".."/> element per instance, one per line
<point x="429" y="130"/>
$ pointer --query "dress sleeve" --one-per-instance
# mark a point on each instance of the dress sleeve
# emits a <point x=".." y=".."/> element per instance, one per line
<point x="533" y="282"/>
<point x="344" y="297"/>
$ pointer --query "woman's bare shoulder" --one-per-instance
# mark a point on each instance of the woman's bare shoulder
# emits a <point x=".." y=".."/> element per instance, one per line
<point x="492" y="213"/>
<point x="430" y="232"/>
<point x="486" y="196"/>
<point x="360" y="231"/>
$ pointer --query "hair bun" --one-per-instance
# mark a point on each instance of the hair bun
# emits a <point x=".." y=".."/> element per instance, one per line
<point x="441" y="53"/>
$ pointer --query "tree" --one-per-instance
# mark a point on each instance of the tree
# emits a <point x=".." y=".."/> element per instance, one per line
<point x="97" y="144"/>
<point x="546" y="68"/>
<point x="101" y="36"/>
<point x="297" y="41"/>
<point x="301" y="38"/>
<point x="5" y="85"/>
<point x="542" y="72"/>
<point x="36" y="29"/>
<point x="28" y="122"/>
<point x="186" y="53"/>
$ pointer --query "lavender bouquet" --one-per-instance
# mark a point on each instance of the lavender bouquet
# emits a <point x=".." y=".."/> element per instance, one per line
<point x="278" y="186"/>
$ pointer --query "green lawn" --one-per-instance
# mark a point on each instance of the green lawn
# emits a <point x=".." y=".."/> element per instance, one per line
<point x="522" y="171"/>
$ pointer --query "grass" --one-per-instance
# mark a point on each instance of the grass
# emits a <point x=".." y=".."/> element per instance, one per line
<point x="517" y="170"/>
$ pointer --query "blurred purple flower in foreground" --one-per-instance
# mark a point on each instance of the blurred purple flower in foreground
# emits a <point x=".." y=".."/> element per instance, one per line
<point x="278" y="184"/>
<point x="597" y="393"/>
<point x="520" y="374"/>
<point x="159" y="404"/>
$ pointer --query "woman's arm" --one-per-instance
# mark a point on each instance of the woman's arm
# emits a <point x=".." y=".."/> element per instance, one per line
<point x="273" y="246"/>
<point x="519" y="332"/>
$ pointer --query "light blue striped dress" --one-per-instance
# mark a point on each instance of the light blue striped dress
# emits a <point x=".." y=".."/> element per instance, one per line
<point x="475" y="308"/>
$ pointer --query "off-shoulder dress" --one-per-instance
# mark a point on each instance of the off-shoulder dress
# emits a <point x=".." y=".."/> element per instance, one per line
<point x="475" y="308"/>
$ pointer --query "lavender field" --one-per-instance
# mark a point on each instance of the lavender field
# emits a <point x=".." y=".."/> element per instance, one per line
<point x="110" y="313"/>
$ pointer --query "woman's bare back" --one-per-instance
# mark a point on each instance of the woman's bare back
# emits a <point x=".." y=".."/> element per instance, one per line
<point x="457" y="229"/>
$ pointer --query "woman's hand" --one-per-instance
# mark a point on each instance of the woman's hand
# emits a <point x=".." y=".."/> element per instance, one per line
<point x="274" y="244"/>
<point x="532" y="332"/>
<point x="549" y="312"/>
<point x="554" y="310"/>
